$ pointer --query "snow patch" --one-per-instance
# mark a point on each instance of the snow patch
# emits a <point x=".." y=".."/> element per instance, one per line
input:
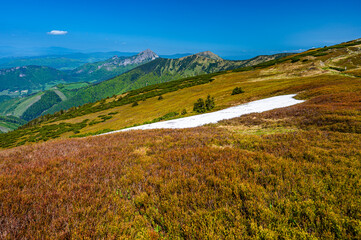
<point x="228" y="113"/>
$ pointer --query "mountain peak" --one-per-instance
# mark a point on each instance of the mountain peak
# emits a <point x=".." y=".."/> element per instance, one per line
<point x="148" y="54"/>
<point x="209" y="54"/>
<point x="142" y="57"/>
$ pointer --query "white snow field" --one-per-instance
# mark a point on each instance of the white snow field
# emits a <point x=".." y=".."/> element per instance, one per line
<point x="228" y="113"/>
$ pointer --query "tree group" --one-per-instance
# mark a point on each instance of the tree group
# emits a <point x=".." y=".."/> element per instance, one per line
<point x="202" y="106"/>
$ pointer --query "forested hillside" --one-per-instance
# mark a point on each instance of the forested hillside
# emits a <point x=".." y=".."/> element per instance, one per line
<point x="30" y="78"/>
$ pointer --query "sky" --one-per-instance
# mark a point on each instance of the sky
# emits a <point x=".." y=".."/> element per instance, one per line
<point x="232" y="29"/>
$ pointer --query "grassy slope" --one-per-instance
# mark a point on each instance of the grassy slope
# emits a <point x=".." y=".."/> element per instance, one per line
<point x="10" y="123"/>
<point x="291" y="173"/>
<point x="305" y="75"/>
<point x="6" y="126"/>
<point x="18" y="106"/>
<point x="48" y="99"/>
<point x="24" y="105"/>
<point x="60" y="94"/>
<point x="209" y="182"/>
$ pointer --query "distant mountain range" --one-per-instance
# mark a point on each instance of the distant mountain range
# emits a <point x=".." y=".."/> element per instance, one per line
<point x="103" y="79"/>
<point x="36" y="78"/>
<point x="69" y="61"/>
<point x="99" y="71"/>
<point x="156" y="71"/>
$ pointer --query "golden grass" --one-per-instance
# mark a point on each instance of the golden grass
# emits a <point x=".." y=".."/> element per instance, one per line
<point x="220" y="88"/>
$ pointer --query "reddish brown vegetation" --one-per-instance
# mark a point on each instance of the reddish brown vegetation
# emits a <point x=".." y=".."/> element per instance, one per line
<point x="198" y="183"/>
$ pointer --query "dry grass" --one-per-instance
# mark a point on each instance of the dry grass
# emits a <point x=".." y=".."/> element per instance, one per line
<point x="220" y="88"/>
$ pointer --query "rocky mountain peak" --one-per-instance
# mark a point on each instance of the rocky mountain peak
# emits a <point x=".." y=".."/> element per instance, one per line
<point x="147" y="54"/>
<point x="209" y="54"/>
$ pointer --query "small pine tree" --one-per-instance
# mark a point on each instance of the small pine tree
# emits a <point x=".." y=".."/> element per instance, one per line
<point x="209" y="104"/>
<point x="202" y="106"/>
<point x="135" y="104"/>
<point x="184" y="112"/>
<point x="199" y="106"/>
<point x="160" y="97"/>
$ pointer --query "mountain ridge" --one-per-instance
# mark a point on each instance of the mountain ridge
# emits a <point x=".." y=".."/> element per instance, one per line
<point x="112" y="67"/>
<point x="159" y="70"/>
<point x="210" y="55"/>
<point x="156" y="71"/>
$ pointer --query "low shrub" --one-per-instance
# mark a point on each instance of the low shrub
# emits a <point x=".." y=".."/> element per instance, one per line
<point x="135" y="104"/>
<point x="237" y="90"/>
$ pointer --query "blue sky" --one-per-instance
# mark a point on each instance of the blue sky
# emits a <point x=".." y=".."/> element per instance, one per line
<point x="229" y="28"/>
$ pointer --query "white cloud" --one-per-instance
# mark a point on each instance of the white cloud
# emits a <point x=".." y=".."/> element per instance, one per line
<point x="57" y="32"/>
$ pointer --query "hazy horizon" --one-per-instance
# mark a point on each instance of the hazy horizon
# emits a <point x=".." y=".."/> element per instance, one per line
<point x="59" y="51"/>
<point x="233" y="29"/>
